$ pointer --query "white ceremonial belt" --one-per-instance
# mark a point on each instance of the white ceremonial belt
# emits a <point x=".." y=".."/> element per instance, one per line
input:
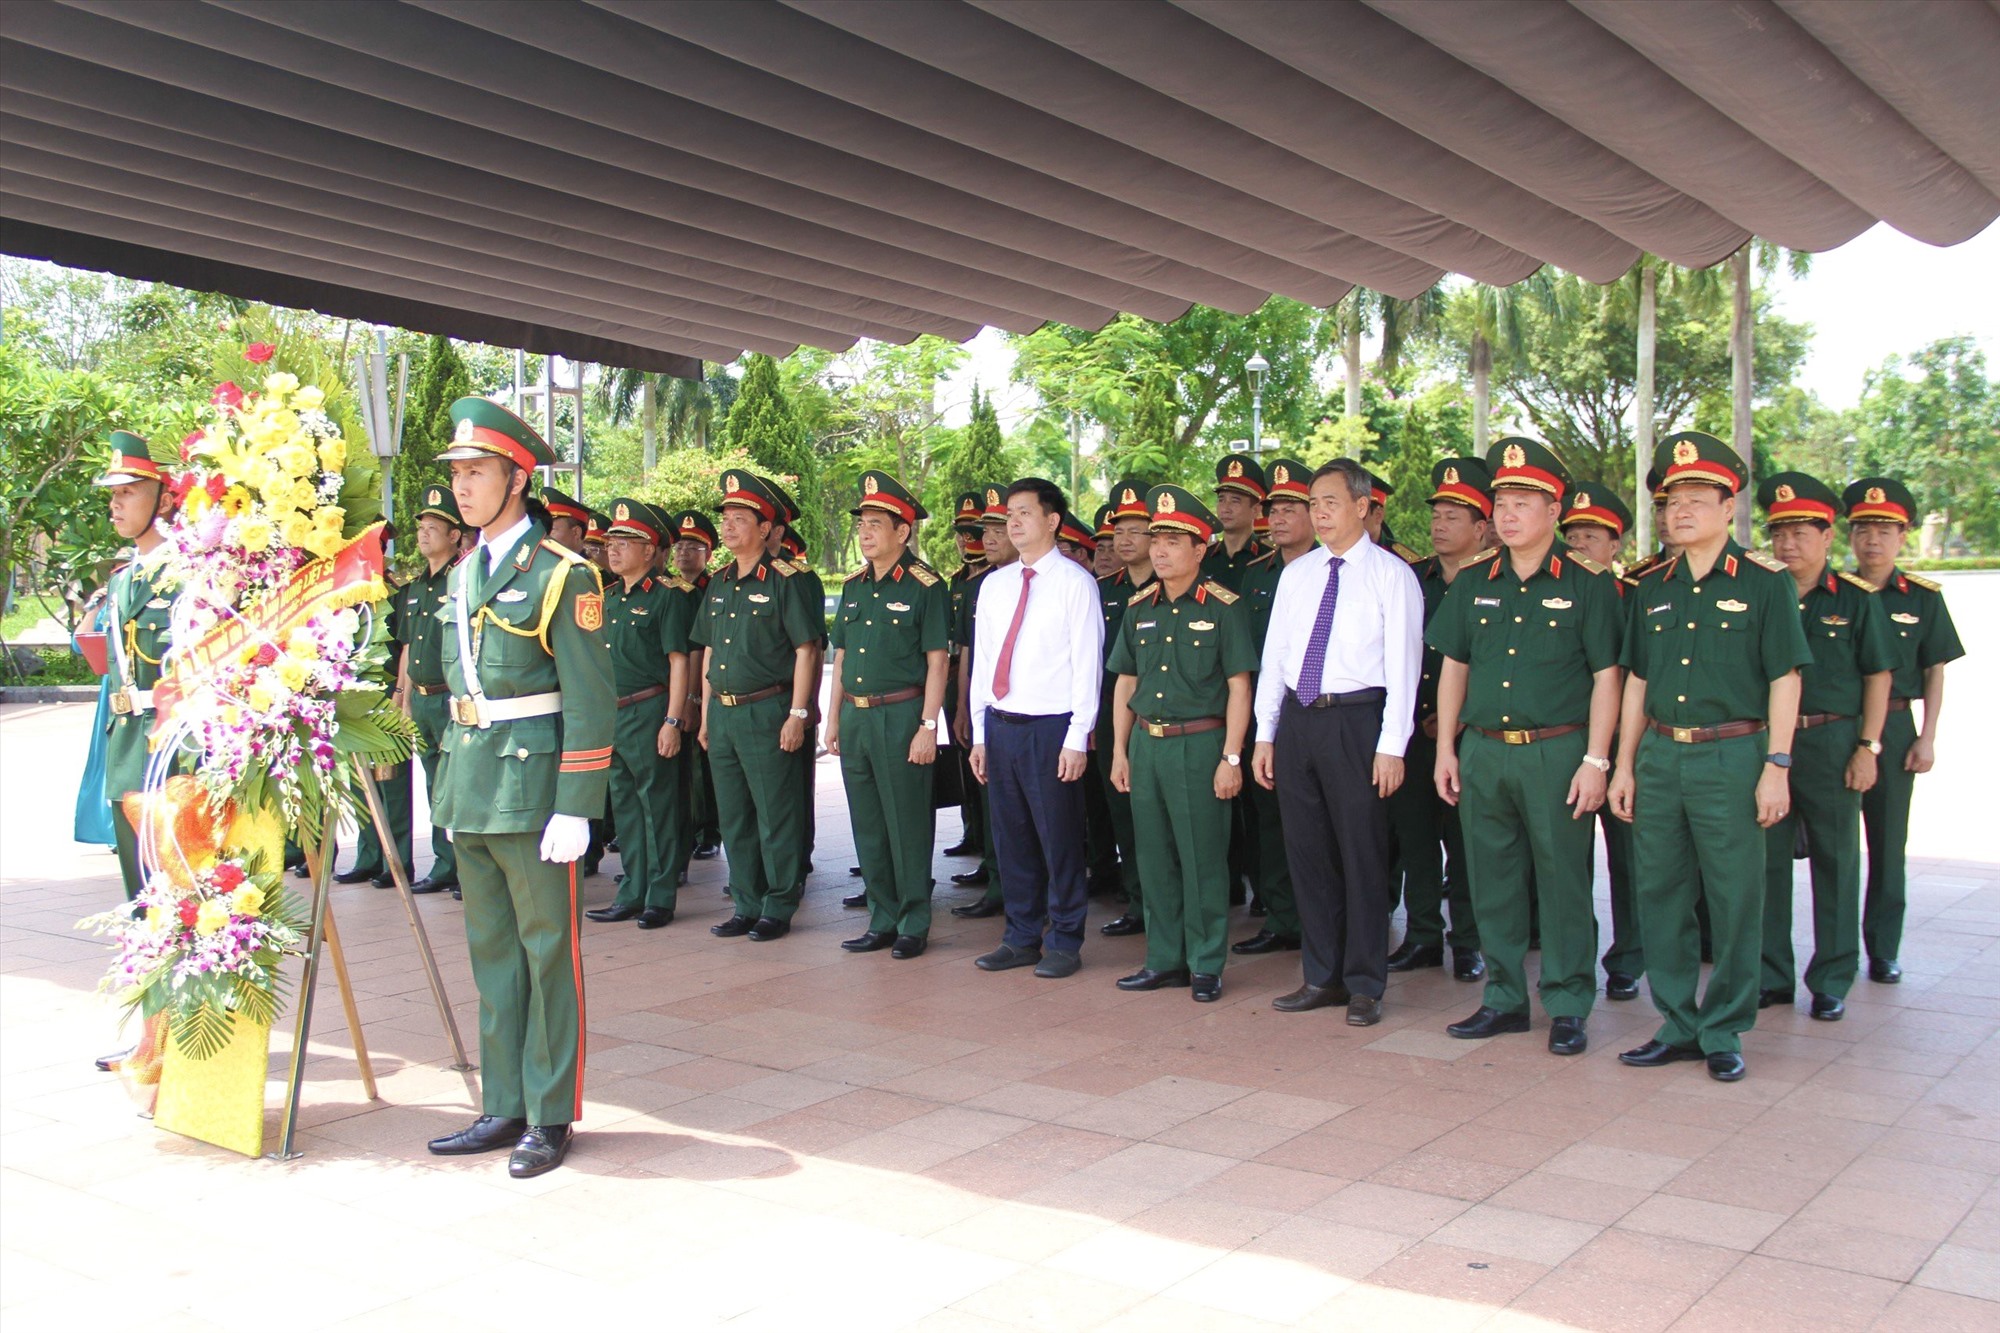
<point x="471" y="711"/>
<point x="126" y="702"/>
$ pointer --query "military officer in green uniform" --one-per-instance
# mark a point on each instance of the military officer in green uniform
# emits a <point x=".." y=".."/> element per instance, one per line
<point x="420" y="685"/>
<point x="1106" y="562"/>
<point x="1594" y="524"/>
<point x="1287" y="507"/>
<point x="999" y="552"/>
<point x="1429" y="843"/>
<point x="1843" y="704"/>
<point x="646" y="619"/>
<point x="971" y="559"/>
<point x="1714" y="647"/>
<point x="1075" y="540"/>
<point x="525" y="763"/>
<point x="1880" y="511"/>
<point x="1239" y="500"/>
<point x="890" y="660"/>
<point x="1131" y="529"/>
<point x="1530" y="639"/>
<point x="1182" y="662"/>
<point x="762" y="633"/>
<point x="693" y="547"/>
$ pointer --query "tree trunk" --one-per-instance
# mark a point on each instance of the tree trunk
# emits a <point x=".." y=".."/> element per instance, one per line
<point x="1642" y="411"/>
<point x="649" y="421"/>
<point x="1740" y="331"/>
<point x="1482" y="392"/>
<point x="1351" y="351"/>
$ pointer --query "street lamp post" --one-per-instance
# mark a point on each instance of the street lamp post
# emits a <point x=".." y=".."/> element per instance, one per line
<point x="1258" y="367"/>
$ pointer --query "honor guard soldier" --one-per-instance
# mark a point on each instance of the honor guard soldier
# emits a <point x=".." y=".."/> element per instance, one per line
<point x="1131" y="533"/>
<point x="1239" y="502"/>
<point x="1530" y="639"/>
<point x="525" y="763"/>
<point x="1594" y="524"/>
<point x="1427" y="832"/>
<point x="569" y="520"/>
<point x="1880" y="512"/>
<point x="693" y="546"/>
<point x="646" y="620"/>
<point x="762" y="633"/>
<point x="890" y="660"/>
<point x="999" y="551"/>
<point x="1182" y="662"/>
<point x="1288" y="510"/>
<point x="1713" y="645"/>
<point x="1379" y="530"/>
<point x="425" y="696"/>
<point x="1843" y="704"/>
<point x="971" y="559"/>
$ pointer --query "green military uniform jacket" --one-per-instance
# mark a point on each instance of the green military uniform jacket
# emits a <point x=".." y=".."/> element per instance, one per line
<point x="753" y="625"/>
<point x="885" y="626"/>
<point x="1920" y="631"/>
<point x="965" y="607"/>
<point x="1259" y="589"/>
<point x="535" y="626"/>
<point x="1227" y="569"/>
<point x="420" y="623"/>
<point x="140" y="612"/>
<point x="1183" y="650"/>
<point x="1430" y="577"/>
<point x="1531" y="647"/>
<point x="644" y="624"/>
<point x="1848" y="632"/>
<point x="1708" y="650"/>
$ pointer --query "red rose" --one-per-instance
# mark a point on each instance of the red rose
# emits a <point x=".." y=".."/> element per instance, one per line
<point x="228" y="877"/>
<point x="259" y="352"/>
<point x="190" y="909"/>
<point x="215" y="486"/>
<point x="226" y="394"/>
<point x="266" y="655"/>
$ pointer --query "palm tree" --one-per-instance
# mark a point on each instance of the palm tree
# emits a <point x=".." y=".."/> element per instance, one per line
<point x="1496" y="321"/>
<point x="1742" y="325"/>
<point x="619" y="390"/>
<point x="690" y="409"/>
<point x="1350" y="318"/>
<point x="687" y="409"/>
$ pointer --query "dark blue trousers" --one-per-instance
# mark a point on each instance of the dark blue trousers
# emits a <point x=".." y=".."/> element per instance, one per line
<point x="1037" y="821"/>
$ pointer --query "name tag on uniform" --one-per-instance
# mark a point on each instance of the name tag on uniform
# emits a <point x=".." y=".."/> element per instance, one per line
<point x="899" y="606"/>
<point x="1731" y="604"/>
<point x="1202" y="626"/>
<point x="759" y="598"/>
<point x="1903" y="617"/>
<point x="1557" y="603"/>
<point x="1486" y="601"/>
<point x="1663" y="606"/>
<point x="512" y="595"/>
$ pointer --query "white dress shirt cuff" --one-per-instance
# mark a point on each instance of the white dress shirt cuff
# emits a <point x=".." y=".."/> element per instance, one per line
<point x="1077" y="738"/>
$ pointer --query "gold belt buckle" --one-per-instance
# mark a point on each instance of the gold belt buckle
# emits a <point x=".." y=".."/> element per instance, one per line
<point x="1157" y="730"/>
<point x="121" y="702"/>
<point x="727" y="700"/>
<point x="862" y="701"/>
<point x="1685" y="735"/>
<point x="1516" y="737"/>
<point x="463" y="712"/>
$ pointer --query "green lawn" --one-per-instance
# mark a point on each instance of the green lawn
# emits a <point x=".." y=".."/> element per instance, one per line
<point x="28" y="612"/>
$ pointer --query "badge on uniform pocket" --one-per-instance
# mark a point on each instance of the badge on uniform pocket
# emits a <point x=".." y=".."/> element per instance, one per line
<point x="512" y="595"/>
<point x="1557" y="603"/>
<point x="1201" y="626"/>
<point x="1730" y="604"/>
<point x="899" y="606"/>
<point x="158" y="604"/>
<point x="1833" y="620"/>
<point x="1903" y="617"/>
<point x="759" y="598"/>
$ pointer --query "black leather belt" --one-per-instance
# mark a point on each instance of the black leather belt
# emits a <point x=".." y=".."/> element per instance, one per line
<point x="1374" y="694"/>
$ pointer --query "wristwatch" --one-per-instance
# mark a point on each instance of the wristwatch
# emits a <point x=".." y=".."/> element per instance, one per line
<point x="1233" y="760"/>
<point x="799" y="713"/>
<point x="1597" y="762"/>
<point x="930" y="724"/>
<point x="674" y="722"/>
<point x="1781" y="760"/>
<point x="1873" y="747"/>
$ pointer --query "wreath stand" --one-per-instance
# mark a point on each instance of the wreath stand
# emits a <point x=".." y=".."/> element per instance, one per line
<point x="319" y="865"/>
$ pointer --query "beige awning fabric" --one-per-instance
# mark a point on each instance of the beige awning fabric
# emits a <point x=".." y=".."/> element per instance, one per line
<point x="655" y="184"/>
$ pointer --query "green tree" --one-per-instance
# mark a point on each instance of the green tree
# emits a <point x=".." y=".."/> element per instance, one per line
<point x="763" y="426"/>
<point x="441" y="379"/>
<point x="1933" y="419"/>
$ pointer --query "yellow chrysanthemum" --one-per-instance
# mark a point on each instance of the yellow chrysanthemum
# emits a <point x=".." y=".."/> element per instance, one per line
<point x="248" y="900"/>
<point x="212" y="916"/>
<point x="235" y="501"/>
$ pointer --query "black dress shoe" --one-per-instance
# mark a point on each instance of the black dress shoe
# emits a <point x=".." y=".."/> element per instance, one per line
<point x="1656" y="1055"/>
<point x="385" y="880"/>
<point x="1058" y="963"/>
<point x="1363" y="1011"/>
<point x="1828" y="1008"/>
<point x="1467" y="964"/>
<point x="854" y="872"/>
<point x="1621" y="986"/>
<point x="1409" y="957"/>
<point x="1885" y="970"/>
<point x="961" y="849"/>
<point x="354" y="876"/>
<point x="298" y="869"/>
<point x="706" y="851"/>
<point x="1257" y="908"/>
<point x="541" y="1149"/>
<point x="1309" y="996"/>
<point x="1567" y="1037"/>
<point x="734" y="926"/>
<point x="1726" y="1066"/>
<point x="1147" y="978"/>
<point x="1207" y="988"/>
<point x="489" y="1133"/>
<point x="108" y="1064"/>
<point x="457" y="894"/>
<point x="1265" y="941"/>
<point x="1123" y="925"/>
<point x="431" y="885"/>
<point x="1007" y="956"/>
<point x="910" y="946"/>
<point x="855" y="900"/>
<point x="971" y="879"/>
<point x="870" y="941"/>
<point x="769" y="928"/>
<point x="985" y="907"/>
<point x="1767" y="999"/>
<point x="1487" y="1022"/>
<point x="611" y="846"/>
<point x="655" y="917"/>
<point x="615" y="912"/>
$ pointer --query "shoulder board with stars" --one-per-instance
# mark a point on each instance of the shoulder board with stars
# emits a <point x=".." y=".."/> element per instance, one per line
<point x="1584" y="562"/>
<point x="924" y="574"/>
<point x="1859" y="582"/>
<point x="1409" y="556"/>
<point x="855" y="575"/>
<point x="1220" y="593"/>
<point x="1768" y="561"/>
<point x="1482" y="557"/>
<point x="1150" y="590"/>
<point x="677" y="583"/>
<point x="785" y="567"/>
<point x="1928" y="585"/>
<point x="1263" y="559"/>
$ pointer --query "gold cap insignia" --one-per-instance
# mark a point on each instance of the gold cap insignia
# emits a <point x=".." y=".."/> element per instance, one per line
<point x="1876" y="495"/>
<point x="1167" y="503"/>
<point x="1515" y="456"/>
<point x="871" y="486"/>
<point x="992" y="496"/>
<point x="730" y="483"/>
<point x="1786" y="493"/>
<point x="434" y="496"/>
<point x="1281" y="473"/>
<point x="1686" y="452"/>
<point x="1129" y="497"/>
<point x="687" y="523"/>
<point x="1451" y="476"/>
<point x="463" y="432"/>
<point x="622" y="513"/>
<point x="1582" y="500"/>
<point x="1235" y="467"/>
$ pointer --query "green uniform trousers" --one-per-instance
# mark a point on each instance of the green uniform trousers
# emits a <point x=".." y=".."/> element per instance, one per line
<point x="1272" y="873"/>
<point x="647" y="803"/>
<point x="395" y="790"/>
<point x="1695" y="836"/>
<point x="1429" y="851"/>
<point x="431" y="714"/>
<point x="521" y="929"/>
<point x="895" y="823"/>
<point x="1131" y="873"/>
<point x="1885" y="811"/>
<point x="1832" y="816"/>
<point x="1183" y="849"/>
<point x="759" y="801"/>
<point x="1100" y="843"/>
<point x="1522" y="840"/>
<point x="698" y="795"/>
<point x="1626" y="953"/>
<point x="989" y="860"/>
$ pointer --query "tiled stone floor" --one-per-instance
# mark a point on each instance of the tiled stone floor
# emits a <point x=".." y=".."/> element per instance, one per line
<point x="780" y="1136"/>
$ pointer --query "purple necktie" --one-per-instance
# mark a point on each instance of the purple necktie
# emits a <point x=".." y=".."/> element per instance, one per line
<point x="1311" y="686"/>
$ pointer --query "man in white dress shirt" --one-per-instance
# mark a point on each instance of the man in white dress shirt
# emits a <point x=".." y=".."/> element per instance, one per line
<point x="1335" y="702"/>
<point x="1036" y="663"/>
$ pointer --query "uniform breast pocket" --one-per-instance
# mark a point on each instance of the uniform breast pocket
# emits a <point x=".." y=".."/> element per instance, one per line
<point x="1555" y="635"/>
<point x="510" y="639"/>
<point x="1839" y="630"/>
<point x="527" y="763"/>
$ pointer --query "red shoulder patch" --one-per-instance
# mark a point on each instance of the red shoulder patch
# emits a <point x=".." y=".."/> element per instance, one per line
<point x="590" y="611"/>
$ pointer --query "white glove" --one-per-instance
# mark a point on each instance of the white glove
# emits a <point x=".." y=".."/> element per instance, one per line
<point x="566" y="838"/>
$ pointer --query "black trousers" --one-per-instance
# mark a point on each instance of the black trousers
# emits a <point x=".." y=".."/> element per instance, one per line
<point x="1337" y="841"/>
<point x="1037" y="823"/>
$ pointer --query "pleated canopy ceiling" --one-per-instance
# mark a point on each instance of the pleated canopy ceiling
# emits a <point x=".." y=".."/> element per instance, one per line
<point x="653" y="184"/>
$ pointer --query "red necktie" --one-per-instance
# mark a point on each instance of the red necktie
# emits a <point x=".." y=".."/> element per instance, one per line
<point x="1004" y="664"/>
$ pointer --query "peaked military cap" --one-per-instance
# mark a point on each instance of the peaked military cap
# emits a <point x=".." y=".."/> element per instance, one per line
<point x="788" y="508"/>
<point x="481" y="426"/>
<point x="881" y="491"/>
<point x="967" y="511"/>
<point x="1694" y="455"/>
<point x="1378" y="490"/>
<point x="1128" y="500"/>
<point x="1240" y="472"/>
<point x="439" y="500"/>
<point x="1289" y="480"/>
<point x="1796" y="497"/>
<point x="560" y="505"/>
<point x="1879" y="499"/>
<point x="995" y="509"/>
<point x="1177" y="510"/>
<point x="597" y="526"/>
<point x="131" y="460"/>
<point x="1657" y="485"/>
<point x="1072" y="530"/>
<point x="1260" y="526"/>
<point x="792" y="546"/>
<point x="691" y="525"/>
<point x="1103" y="525"/>
<point x="1463" y="481"/>
<point x="636" y="518"/>
<point x="1597" y="504"/>
<point x="1520" y="463"/>
<point x="743" y="489"/>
